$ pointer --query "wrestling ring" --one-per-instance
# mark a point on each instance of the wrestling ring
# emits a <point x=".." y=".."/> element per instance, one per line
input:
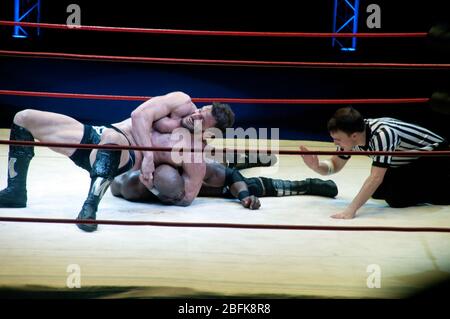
<point x="290" y="248"/>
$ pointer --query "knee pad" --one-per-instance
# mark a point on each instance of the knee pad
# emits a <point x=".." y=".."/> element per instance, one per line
<point x="19" y="133"/>
<point x="268" y="187"/>
<point x="106" y="164"/>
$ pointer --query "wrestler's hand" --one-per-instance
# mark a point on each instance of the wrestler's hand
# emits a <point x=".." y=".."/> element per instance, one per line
<point x="251" y="202"/>
<point x="312" y="161"/>
<point x="346" y="214"/>
<point x="147" y="169"/>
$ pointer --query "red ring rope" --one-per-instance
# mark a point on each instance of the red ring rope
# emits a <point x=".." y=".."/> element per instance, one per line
<point x="113" y="58"/>
<point x="224" y="225"/>
<point x="209" y="100"/>
<point x="218" y="33"/>
<point x="265" y="151"/>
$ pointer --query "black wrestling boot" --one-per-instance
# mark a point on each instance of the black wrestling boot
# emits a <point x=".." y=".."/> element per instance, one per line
<point x="19" y="157"/>
<point x="102" y="174"/>
<point x="317" y="186"/>
<point x="309" y="186"/>
<point x="242" y="161"/>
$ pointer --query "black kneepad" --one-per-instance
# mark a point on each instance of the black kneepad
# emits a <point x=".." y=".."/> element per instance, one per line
<point x="106" y="164"/>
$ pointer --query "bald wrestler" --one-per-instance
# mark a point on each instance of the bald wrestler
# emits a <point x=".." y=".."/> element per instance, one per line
<point x="219" y="181"/>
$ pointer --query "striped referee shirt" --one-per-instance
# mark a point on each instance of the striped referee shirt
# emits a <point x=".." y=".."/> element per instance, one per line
<point x="388" y="134"/>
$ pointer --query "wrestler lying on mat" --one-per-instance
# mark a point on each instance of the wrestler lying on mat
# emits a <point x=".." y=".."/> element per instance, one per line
<point x="219" y="181"/>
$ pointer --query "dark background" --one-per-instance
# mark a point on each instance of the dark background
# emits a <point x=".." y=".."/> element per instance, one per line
<point x="294" y="121"/>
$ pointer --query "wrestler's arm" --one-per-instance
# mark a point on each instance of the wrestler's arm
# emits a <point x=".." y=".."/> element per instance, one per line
<point x="240" y="191"/>
<point x="193" y="175"/>
<point x="215" y="177"/>
<point x="146" y="114"/>
<point x="163" y="112"/>
<point x="167" y="124"/>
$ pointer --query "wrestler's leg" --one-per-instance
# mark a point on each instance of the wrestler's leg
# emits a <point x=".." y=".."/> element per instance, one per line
<point x="248" y="160"/>
<point x="51" y="127"/>
<point x="27" y="126"/>
<point x="269" y="187"/>
<point x="105" y="166"/>
<point x="245" y="160"/>
<point x="110" y="136"/>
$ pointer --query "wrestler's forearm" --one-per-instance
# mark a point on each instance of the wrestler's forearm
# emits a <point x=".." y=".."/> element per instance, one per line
<point x="190" y="193"/>
<point x="238" y="187"/>
<point x="141" y="130"/>
<point x="188" y="197"/>
<point x="193" y="175"/>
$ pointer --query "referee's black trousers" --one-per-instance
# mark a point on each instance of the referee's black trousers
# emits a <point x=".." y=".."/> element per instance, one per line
<point x="426" y="180"/>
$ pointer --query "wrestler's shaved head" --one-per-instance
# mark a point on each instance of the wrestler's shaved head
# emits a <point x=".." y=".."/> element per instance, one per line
<point x="168" y="181"/>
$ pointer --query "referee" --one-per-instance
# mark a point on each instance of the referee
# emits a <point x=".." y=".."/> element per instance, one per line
<point x="400" y="181"/>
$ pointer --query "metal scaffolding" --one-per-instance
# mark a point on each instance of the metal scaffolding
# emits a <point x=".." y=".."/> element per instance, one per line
<point x="345" y="19"/>
<point x="26" y="11"/>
